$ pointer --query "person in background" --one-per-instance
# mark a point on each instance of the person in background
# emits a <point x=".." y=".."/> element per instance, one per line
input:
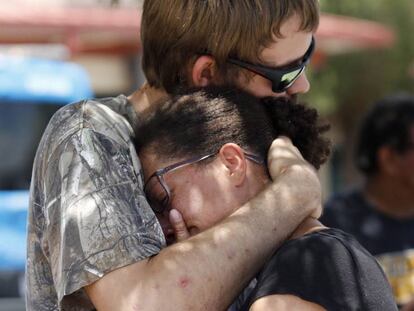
<point x="380" y="212"/>
<point x="204" y="155"/>
<point x="93" y="240"/>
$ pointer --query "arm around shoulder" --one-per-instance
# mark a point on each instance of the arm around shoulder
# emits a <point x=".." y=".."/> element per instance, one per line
<point x="109" y="233"/>
<point x="186" y="276"/>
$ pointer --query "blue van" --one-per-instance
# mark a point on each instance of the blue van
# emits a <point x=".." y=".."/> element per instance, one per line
<point x="31" y="90"/>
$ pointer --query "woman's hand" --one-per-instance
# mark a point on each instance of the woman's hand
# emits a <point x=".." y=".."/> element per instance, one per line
<point x="178" y="224"/>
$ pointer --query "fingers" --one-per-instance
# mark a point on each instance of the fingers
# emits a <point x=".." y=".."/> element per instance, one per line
<point x="282" y="155"/>
<point x="285" y="142"/>
<point x="290" y="170"/>
<point x="179" y="226"/>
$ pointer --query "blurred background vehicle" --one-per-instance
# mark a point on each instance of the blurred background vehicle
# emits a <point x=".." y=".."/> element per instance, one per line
<point x="31" y="90"/>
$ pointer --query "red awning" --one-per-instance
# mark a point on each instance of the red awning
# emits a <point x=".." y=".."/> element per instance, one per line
<point x="83" y="30"/>
<point x="338" y="34"/>
<point x="86" y="30"/>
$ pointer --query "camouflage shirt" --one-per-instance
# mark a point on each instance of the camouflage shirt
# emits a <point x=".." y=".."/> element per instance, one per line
<point x="88" y="214"/>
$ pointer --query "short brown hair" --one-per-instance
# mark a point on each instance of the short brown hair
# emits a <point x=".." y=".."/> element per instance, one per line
<point x="174" y="32"/>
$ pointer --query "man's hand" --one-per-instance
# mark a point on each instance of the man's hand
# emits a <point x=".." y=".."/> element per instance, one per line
<point x="286" y="163"/>
<point x="284" y="155"/>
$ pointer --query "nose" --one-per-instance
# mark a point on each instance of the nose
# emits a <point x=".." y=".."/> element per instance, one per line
<point x="300" y="86"/>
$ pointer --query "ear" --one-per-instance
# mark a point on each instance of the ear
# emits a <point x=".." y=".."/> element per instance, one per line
<point x="203" y="71"/>
<point x="387" y="159"/>
<point x="232" y="157"/>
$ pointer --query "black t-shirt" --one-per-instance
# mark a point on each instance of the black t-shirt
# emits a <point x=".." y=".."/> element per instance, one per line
<point x="390" y="240"/>
<point x="329" y="268"/>
<point x="378" y="233"/>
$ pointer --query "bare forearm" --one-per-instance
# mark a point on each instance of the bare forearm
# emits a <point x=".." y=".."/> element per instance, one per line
<point x="210" y="269"/>
<point x="207" y="271"/>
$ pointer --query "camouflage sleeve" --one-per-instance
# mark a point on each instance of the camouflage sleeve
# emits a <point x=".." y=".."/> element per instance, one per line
<point x="97" y="218"/>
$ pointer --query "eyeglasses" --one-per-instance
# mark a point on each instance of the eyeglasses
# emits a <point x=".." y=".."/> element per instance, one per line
<point x="159" y="200"/>
<point x="281" y="78"/>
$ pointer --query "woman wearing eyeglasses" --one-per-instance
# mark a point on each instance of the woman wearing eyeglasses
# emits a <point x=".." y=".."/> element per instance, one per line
<point x="204" y="154"/>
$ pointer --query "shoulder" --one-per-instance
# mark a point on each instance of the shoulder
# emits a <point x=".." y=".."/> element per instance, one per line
<point x="90" y="134"/>
<point x="101" y="115"/>
<point x="321" y="244"/>
<point x="108" y="118"/>
<point x="330" y="243"/>
<point x="329" y="268"/>
<point x="323" y="255"/>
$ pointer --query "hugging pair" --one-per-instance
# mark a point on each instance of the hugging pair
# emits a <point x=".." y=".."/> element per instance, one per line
<point x="204" y="155"/>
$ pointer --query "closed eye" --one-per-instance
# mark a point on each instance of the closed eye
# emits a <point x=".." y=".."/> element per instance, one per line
<point x="158" y="202"/>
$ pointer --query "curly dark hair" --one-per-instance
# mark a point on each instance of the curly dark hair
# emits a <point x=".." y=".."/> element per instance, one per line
<point x="202" y="120"/>
<point x="387" y="123"/>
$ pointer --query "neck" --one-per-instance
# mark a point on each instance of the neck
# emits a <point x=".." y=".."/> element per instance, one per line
<point x="390" y="197"/>
<point x="146" y="96"/>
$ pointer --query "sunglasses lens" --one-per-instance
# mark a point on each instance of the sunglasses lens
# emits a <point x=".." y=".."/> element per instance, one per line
<point x="287" y="80"/>
<point x="290" y="76"/>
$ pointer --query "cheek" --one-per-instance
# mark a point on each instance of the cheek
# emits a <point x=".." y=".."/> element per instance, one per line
<point x="189" y="203"/>
<point x="258" y="86"/>
<point x="211" y="210"/>
<point x="199" y="208"/>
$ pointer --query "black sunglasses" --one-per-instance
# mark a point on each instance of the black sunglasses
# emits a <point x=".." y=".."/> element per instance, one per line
<point x="281" y="78"/>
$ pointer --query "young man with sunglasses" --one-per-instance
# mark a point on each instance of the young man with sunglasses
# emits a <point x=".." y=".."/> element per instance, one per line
<point x="93" y="241"/>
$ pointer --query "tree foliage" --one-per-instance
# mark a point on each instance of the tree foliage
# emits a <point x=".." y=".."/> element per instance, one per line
<point x="348" y="83"/>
